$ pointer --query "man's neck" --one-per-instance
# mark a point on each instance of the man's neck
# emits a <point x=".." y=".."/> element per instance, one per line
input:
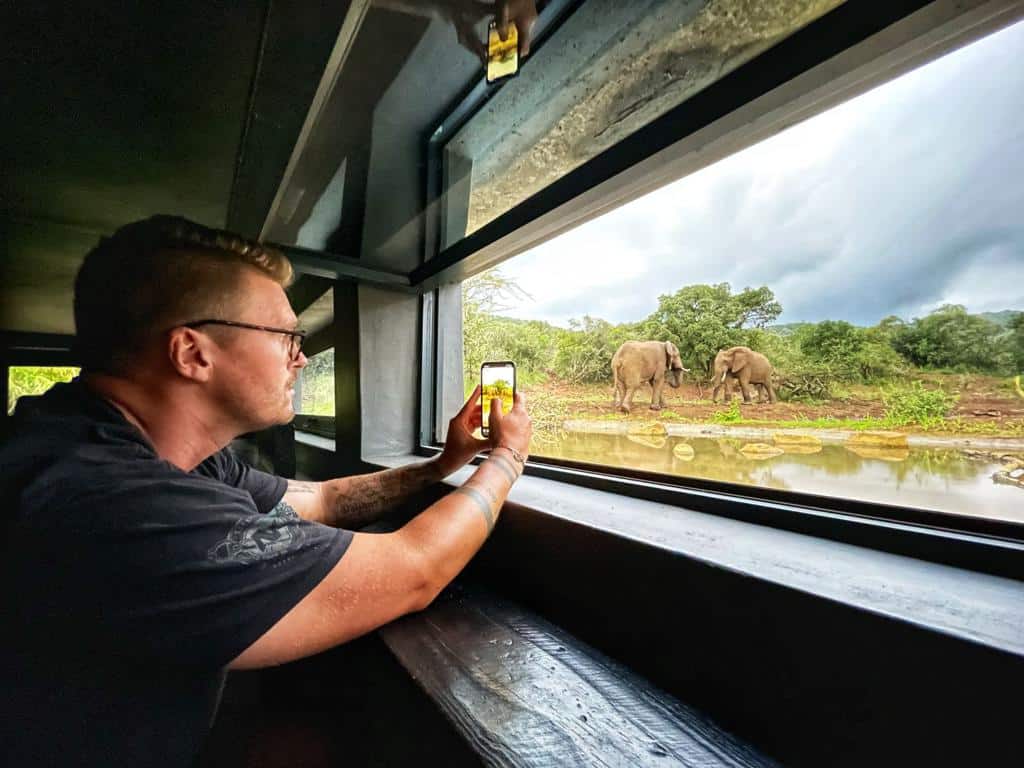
<point x="172" y="422"/>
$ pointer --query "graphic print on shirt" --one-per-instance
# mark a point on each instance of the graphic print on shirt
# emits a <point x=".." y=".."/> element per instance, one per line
<point x="260" y="537"/>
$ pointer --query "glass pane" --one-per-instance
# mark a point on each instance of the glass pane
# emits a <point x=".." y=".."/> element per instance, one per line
<point x="870" y="261"/>
<point x="593" y="76"/>
<point x="611" y="69"/>
<point x="314" y="390"/>
<point x="33" y="380"/>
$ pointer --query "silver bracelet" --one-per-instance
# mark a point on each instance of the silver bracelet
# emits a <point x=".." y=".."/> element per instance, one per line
<point x="515" y="454"/>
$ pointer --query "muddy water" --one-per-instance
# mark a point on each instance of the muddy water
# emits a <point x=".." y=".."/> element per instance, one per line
<point x="944" y="480"/>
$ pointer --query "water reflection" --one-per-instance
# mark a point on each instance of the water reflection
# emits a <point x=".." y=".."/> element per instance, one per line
<point x="938" y="479"/>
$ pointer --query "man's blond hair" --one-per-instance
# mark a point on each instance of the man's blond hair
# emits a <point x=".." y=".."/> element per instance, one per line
<point x="156" y="274"/>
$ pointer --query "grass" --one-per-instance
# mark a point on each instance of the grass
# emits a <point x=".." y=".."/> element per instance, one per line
<point x="909" y="406"/>
<point x="982" y="428"/>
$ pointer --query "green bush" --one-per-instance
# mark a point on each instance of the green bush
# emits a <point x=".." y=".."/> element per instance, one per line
<point x="917" y="405"/>
<point x="584" y="352"/>
<point x="877" y="361"/>
<point x="730" y="415"/>
<point x="951" y="338"/>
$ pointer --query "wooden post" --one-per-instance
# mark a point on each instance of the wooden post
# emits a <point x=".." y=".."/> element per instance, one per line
<point x="348" y="425"/>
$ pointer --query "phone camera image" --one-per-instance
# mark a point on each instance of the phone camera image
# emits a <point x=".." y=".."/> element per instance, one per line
<point x="502" y="55"/>
<point x="497" y="380"/>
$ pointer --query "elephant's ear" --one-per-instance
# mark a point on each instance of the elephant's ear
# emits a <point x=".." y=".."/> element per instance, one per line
<point x="670" y="351"/>
<point x="739" y="361"/>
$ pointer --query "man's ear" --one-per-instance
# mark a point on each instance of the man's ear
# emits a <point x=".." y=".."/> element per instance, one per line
<point x="189" y="353"/>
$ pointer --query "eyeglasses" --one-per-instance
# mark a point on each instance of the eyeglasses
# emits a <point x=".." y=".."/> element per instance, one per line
<point x="295" y="336"/>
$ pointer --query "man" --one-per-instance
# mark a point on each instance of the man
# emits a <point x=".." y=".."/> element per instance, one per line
<point x="142" y="559"/>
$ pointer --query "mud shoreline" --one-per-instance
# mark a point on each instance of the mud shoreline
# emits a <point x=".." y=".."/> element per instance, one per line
<point x="833" y="436"/>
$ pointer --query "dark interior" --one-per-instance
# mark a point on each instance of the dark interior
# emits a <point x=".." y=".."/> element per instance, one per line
<point x="114" y="113"/>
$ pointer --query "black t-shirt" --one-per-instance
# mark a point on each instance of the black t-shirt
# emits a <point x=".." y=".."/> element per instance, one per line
<point x="130" y="584"/>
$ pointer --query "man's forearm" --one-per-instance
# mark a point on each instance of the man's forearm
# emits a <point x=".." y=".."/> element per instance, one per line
<point x="352" y="502"/>
<point x="449" y="532"/>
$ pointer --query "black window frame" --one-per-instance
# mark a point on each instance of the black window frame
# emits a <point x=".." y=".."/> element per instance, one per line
<point x="978" y="543"/>
<point x="324" y="426"/>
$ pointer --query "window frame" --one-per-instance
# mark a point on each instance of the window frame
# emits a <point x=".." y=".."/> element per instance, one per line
<point x="855" y="49"/>
<point x="324" y="426"/>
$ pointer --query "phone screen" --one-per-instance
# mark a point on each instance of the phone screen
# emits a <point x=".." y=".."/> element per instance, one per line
<point x="496" y="380"/>
<point x="502" y="55"/>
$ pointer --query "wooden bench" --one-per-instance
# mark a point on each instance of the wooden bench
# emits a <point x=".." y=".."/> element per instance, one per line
<point x="523" y="692"/>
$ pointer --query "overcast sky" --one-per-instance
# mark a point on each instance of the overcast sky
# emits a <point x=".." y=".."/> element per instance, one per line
<point x="901" y="200"/>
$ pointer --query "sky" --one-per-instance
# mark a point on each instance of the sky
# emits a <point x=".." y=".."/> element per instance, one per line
<point x="901" y="200"/>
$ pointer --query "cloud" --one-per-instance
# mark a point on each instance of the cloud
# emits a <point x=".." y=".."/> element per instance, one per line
<point x="896" y="202"/>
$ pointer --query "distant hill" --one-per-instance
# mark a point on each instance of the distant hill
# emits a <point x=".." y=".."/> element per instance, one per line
<point x="784" y="329"/>
<point x="1001" y="318"/>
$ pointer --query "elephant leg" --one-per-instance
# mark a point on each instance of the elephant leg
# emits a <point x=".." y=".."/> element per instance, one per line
<point x="727" y="396"/>
<point x="745" y="389"/>
<point x="656" y="386"/>
<point x="617" y="401"/>
<point x="627" y="400"/>
<point x="771" y="392"/>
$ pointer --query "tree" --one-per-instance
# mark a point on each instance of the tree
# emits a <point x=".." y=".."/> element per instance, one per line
<point x="951" y="338"/>
<point x="1016" y="342"/>
<point x="702" y="319"/>
<point x="876" y="360"/>
<point x="585" y="350"/>
<point x="832" y="341"/>
<point x="483" y="336"/>
<point x="890" y="327"/>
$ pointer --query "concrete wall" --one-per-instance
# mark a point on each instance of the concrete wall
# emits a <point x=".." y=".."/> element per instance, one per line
<point x="436" y="71"/>
<point x="388" y="370"/>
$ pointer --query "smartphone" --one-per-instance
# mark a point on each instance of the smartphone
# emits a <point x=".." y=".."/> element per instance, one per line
<point x="496" y="380"/>
<point x="502" y="55"/>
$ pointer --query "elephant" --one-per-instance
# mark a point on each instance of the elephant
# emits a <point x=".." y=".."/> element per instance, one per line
<point x="645" y="362"/>
<point x="747" y="367"/>
<point x="759" y="388"/>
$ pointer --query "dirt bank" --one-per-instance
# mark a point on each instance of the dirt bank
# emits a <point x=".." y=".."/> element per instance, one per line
<point x="835" y="436"/>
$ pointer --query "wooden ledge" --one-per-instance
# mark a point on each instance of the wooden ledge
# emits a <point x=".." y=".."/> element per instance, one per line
<point x="524" y="692"/>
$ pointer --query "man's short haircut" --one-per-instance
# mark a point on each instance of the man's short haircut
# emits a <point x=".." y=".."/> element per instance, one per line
<point x="155" y="274"/>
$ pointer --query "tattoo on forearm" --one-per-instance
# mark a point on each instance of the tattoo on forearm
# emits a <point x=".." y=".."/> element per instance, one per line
<point x="505" y="466"/>
<point x="360" y="500"/>
<point x="481" y="503"/>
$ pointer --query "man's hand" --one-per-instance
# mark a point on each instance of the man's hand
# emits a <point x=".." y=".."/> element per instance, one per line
<point x="466" y="14"/>
<point x="513" y="429"/>
<point x="523" y="13"/>
<point x="461" y="446"/>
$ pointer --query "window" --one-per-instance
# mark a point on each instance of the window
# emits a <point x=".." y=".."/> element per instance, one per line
<point x="607" y="71"/>
<point x="314" y="389"/>
<point x="33" y="380"/>
<point x="872" y="254"/>
<point x="313" y="401"/>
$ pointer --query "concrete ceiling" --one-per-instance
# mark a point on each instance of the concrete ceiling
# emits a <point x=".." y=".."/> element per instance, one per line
<point x="114" y="114"/>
